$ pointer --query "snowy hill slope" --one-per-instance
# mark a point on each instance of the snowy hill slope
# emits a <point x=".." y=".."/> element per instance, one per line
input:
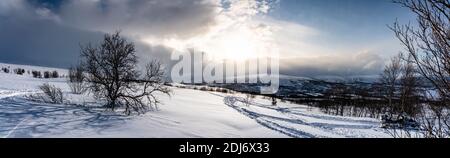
<point x="187" y="113"/>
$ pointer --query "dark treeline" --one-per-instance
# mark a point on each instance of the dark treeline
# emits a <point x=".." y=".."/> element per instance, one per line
<point x="354" y="100"/>
<point x="34" y="73"/>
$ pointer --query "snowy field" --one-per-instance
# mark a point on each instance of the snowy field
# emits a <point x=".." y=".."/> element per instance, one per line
<point x="186" y="114"/>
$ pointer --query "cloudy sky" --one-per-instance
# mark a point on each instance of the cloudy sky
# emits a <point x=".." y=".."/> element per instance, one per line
<point x="313" y="37"/>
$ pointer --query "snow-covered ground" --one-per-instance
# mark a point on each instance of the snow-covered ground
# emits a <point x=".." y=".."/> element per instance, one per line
<point x="187" y="113"/>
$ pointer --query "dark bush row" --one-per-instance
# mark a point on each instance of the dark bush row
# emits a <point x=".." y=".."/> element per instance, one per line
<point x="18" y="71"/>
<point x="211" y="89"/>
<point x="47" y="74"/>
<point x="34" y="73"/>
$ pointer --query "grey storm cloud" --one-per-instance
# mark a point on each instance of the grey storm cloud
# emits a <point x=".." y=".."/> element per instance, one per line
<point x="28" y="38"/>
<point x="160" y="18"/>
<point x="40" y="34"/>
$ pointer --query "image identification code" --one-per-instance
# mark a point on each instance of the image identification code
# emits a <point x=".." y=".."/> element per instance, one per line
<point x="237" y="148"/>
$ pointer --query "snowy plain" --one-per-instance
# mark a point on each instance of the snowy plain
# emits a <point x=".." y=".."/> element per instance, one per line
<point x="187" y="113"/>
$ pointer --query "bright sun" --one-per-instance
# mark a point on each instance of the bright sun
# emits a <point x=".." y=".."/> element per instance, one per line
<point x="238" y="44"/>
<point x="238" y="48"/>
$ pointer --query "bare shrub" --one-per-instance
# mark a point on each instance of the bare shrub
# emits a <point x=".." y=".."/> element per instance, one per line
<point x="435" y="121"/>
<point x="36" y="74"/>
<point x="19" y="71"/>
<point x="47" y="74"/>
<point x="248" y="100"/>
<point x="389" y="79"/>
<point x="5" y="70"/>
<point x="55" y="74"/>
<point x="52" y="94"/>
<point x="409" y="89"/>
<point x="274" y="101"/>
<point x="76" y="80"/>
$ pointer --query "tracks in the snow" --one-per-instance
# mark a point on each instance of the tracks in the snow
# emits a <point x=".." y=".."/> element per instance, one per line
<point x="298" y="123"/>
<point x="12" y="93"/>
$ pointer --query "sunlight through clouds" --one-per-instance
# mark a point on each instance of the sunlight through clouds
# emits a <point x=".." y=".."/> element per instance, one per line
<point x="241" y="31"/>
<point x="222" y="29"/>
